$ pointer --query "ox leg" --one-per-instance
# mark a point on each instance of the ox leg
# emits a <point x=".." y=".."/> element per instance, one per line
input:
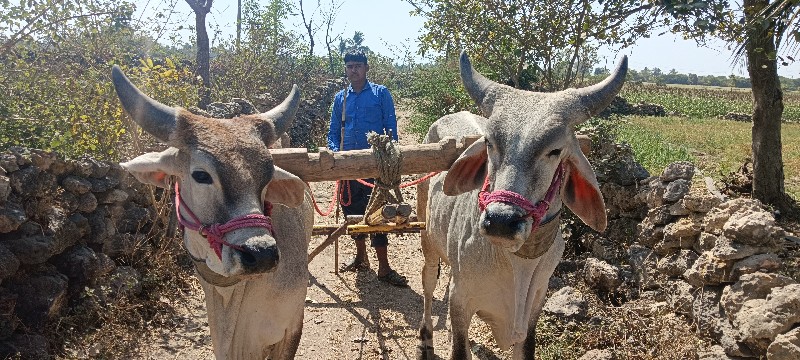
<point x="529" y="345"/>
<point x="429" y="279"/>
<point x="460" y="317"/>
<point x="430" y="274"/>
<point x="287" y="348"/>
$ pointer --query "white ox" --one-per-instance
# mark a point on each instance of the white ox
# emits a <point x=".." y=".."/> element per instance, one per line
<point x="501" y="256"/>
<point x="254" y="277"/>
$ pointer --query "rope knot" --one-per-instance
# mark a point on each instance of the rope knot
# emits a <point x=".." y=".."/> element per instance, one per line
<point x="389" y="159"/>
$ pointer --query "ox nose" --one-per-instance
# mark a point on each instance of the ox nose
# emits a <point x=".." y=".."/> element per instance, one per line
<point x="502" y="224"/>
<point x="258" y="259"/>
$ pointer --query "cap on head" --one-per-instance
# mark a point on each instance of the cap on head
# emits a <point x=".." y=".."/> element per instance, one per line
<point x="355" y="55"/>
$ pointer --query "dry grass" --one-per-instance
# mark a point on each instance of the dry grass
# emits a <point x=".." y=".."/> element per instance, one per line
<point x="111" y="327"/>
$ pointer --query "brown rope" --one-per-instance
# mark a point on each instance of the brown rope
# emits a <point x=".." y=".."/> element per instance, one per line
<point x="389" y="159"/>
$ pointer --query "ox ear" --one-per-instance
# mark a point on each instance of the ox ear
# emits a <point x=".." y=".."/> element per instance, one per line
<point x="285" y="188"/>
<point x="468" y="171"/>
<point x="154" y="168"/>
<point x="582" y="193"/>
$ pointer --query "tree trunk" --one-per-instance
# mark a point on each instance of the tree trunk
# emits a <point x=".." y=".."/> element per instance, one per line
<point x="768" y="180"/>
<point x="201" y="8"/>
<point x="238" y="24"/>
<point x="309" y="29"/>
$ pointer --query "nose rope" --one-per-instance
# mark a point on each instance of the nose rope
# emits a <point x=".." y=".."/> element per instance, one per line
<point x="215" y="233"/>
<point x="537" y="211"/>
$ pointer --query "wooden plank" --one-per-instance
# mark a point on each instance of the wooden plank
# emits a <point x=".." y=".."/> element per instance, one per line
<point x="360" y="164"/>
<point x="410" y="227"/>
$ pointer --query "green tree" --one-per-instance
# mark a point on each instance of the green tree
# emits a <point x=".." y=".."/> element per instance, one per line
<point x="356" y="42"/>
<point x="762" y="39"/>
<point x="758" y="27"/>
<point x="37" y="19"/>
<point x="270" y="59"/>
<point x="554" y="39"/>
<point x="56" y="89"/>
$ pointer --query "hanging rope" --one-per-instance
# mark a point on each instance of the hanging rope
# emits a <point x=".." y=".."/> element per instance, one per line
<point x="336" y="196"/>
<point x="389" y="159"/>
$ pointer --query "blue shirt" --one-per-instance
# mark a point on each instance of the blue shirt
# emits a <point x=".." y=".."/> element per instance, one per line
<point x="372" y="109"/>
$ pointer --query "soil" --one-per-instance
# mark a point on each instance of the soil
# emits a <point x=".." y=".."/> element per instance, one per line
<point x="350" y="315"/>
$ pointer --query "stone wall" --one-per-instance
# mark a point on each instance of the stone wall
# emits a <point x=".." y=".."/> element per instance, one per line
<point x="676" y="240"/>
<point x="64" y="226"/>
<point x="310" y="126"/>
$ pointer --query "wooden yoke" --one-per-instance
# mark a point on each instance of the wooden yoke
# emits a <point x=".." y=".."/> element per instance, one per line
<point x="361" y="164"/>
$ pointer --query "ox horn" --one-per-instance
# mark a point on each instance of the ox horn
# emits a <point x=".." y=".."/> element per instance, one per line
<point x="154" y="117"/>
<point x="476" y="84"/>
<point x="282" y="115"/>
<point x="596" y="97"/>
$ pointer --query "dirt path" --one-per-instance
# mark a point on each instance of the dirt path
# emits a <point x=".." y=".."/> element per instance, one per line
<point x="347" y="316"/>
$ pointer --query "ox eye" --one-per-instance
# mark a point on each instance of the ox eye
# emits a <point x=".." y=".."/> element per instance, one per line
<point x="202" y="177"/>
<point x="555" y="152"/>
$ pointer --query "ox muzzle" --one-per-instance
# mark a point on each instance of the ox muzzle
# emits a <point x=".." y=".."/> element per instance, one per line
<point x="507" y="215"/>
<point x="257" y="255"/>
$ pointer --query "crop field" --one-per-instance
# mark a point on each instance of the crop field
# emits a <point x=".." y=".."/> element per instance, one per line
<point x="698" y="102"/>
<point x="717" y="147"/>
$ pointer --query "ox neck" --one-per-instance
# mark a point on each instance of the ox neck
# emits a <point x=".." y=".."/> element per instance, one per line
<point x="540" y="241"/>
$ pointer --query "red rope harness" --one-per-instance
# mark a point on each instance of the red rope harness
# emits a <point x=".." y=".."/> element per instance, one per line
<point x="340" y="195"/>
<point x="405" y="185"/>
<point x="336" y="196"/>
<point x="537" y="211"/>
<point x="215" y="233"/>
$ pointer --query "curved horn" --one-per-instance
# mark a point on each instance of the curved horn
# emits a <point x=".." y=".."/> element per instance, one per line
<point x="154" y="117"/>
<point x="282" y="115"/>
<point x="476" y="84"/>
<point x="596" y="97"/>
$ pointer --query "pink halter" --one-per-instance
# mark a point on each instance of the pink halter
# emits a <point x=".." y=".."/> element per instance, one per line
<point x="215" y="233"/>
<point x="537" y="212"/>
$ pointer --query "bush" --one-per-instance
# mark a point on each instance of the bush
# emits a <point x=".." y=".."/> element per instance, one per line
<point x="73" y="109"/>
<point x="435" y="90"/>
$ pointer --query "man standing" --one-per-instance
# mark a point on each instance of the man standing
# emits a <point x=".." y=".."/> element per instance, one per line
<point x="366" y="107"/>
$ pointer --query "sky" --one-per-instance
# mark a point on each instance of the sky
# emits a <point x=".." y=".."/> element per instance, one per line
<point x="389" y="29"/>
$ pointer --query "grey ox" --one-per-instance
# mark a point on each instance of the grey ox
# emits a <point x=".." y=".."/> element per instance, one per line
<point x="250" y="256"/>
<point x="494" y="215"/>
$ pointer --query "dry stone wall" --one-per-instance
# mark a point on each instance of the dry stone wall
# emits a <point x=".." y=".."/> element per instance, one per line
<point x="310" y="126"/>
<point x="64" y="226"/>
<point x="710" y="258"/>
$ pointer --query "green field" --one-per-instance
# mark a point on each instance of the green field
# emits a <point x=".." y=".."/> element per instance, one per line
<point x="717" y="147"/>
<point x="704" y="102"/>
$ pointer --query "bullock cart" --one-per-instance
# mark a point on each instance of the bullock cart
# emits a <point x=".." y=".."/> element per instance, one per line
<point x="368" y="163"/>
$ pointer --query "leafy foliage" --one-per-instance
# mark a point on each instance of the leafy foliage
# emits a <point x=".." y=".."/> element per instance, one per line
<point x="549" y="40"/>
<point x="435" y="90"/>
<point x="51" y="21"/>
<point x="56" y="89"/>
